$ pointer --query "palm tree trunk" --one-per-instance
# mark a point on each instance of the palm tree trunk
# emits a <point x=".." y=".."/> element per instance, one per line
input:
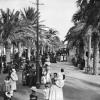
<point x="19" y="49"/>
<point x="95" y="57"/>
<point x="8" y="53"/>
<point x="42" y="50"/>
<point x="85" y="58"/>
<point x="1" y="48"/>
<point x="13" y="49"/>
<point x="29" y="53"/>
<point x="81" y="50"/>
<point x="89" y="52"/>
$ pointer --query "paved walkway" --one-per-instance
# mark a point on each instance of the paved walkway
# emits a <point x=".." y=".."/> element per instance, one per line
<point x="74" y="72"/>
<point x="70" y="71"/>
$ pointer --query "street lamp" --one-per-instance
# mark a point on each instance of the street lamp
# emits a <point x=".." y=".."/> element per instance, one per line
<point x="37" y="53"/>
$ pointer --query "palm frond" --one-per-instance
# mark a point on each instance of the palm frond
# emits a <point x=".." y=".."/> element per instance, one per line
<point x="77" y="16"/>
<point x="78" y="2"/>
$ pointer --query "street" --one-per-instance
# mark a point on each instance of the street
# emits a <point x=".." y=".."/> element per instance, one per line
<point x="77" y="89"/>
<point x="74" y="89"/>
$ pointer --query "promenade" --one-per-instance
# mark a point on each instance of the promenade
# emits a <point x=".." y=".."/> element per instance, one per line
<point x="73" y="76"/>
<point x="74" y="72"/>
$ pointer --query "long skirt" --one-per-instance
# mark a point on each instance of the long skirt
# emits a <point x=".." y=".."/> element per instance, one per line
<point x="56" y="93"/>
<point x="46" y="93"/>
<point x="13" y="85"/>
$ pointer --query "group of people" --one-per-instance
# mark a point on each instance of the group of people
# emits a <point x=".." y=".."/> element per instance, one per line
<point x="53" y="83"/>
<point x="10" y="84"/>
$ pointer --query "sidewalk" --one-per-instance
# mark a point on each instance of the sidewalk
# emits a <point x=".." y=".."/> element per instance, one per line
<point x="73" y="72"/>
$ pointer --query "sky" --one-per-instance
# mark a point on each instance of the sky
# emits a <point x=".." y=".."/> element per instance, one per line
<point x="57" y="14"/>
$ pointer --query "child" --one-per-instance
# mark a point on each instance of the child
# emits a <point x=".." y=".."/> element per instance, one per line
<point x="54" y="78"/>
<point x="7" y="84"/>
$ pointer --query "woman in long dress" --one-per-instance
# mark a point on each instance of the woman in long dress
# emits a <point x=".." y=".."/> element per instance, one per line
<point x="13" y="79"/>
<point x="56" y="91"/>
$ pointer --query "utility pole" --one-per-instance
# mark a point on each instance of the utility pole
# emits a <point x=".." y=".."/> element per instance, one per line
<point x="37" y="53"/>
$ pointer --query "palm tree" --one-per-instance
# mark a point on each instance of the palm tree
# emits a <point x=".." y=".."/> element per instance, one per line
<point x="89" y="13"/>
<point x="76" y="37"/>
<point x="8" y="21"/>
<point x="28" y="24"/>
<point x="51" y="37"/>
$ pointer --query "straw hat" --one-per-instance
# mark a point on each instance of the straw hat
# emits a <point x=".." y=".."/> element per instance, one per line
<point x="13" y="70"/>
<point x="47" y="63"/>
<point x="8" y="94"/>
<point x="33" y="88"/>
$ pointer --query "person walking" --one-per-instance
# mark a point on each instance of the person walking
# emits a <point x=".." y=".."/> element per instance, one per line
<point x="63" y="74"/>
<point x="56" y="91"/>
<point x="7" y="84"/>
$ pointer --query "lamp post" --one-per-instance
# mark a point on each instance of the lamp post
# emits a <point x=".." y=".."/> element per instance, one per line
<point x="37" y="53"/>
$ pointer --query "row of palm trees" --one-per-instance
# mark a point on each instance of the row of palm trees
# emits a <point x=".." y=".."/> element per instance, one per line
<point x="85" y="34"/>
<point x="19" y="27"/>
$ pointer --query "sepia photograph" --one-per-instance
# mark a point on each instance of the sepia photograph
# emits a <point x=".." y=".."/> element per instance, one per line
<point x="49" y="50"/>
